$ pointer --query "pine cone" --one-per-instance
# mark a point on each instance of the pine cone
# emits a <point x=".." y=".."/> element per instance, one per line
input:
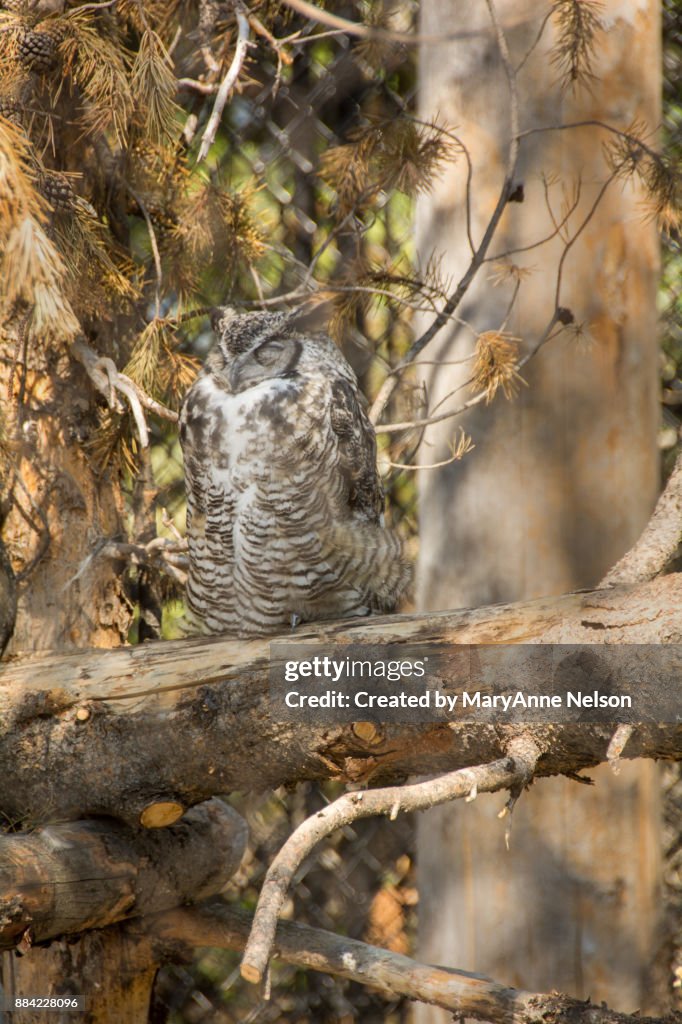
<point x="57" y="190"/>
<point x="39" y="47"/>
<point x="16" y="6"/>
<point x="11" y="110"/>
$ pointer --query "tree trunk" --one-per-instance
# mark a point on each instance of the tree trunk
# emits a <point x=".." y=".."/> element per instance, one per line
<point x="59" y="508"/>
<point x="560" y="483"/>
<point x="113" y="971"/>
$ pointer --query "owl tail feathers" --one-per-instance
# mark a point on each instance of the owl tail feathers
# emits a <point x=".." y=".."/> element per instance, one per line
<point x="374" y="563"/>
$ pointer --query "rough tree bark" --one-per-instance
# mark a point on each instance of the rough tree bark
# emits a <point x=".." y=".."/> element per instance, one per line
<point x="67" y="878"/>
<point x="59" y="506"/>
<point x="146" y="689"/>
<point x="559" y="485"/>
<point x="94" y="733"/>
<point x="179" y="932"/>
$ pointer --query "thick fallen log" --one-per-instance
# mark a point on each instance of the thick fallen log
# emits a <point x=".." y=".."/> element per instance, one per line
<point x="142" y="733"/>
<point x="66" y="878"/>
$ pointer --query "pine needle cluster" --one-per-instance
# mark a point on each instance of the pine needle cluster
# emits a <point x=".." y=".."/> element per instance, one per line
<point x="578" y="24"/>
<point x="364" y="285"/>
<point x="33" y="271"/>
<point x="105" y="214"/>
<point x="496" y="365"/>
<point x="378" y="53"/>
<point x="97" y="64"/>
<point x="382" y="155"/>
<point x="627" y="154"/>
<point x="157" y="364"/>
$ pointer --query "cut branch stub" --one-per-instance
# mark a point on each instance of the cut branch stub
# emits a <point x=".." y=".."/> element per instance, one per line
<point x="161" y="813"/>
<point x="367" y="732"/>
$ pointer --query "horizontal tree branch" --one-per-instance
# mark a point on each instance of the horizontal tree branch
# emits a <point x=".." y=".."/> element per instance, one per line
<point x="180" y="931"/>
<point x="97" y="732"/>
<point x="66" y="878"/>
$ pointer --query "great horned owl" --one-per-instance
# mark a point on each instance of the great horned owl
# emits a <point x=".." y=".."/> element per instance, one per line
<point x="284" y="502"/>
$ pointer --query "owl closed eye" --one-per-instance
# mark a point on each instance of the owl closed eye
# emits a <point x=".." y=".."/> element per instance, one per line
<point x="273" y="358"/>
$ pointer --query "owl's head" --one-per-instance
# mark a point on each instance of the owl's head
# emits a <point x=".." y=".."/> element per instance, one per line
<point x="238" y="332"/>
<point x="254" y="347"/>
<point x="267" y="360"/>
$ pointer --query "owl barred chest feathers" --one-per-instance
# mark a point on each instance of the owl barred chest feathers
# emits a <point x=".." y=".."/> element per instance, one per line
<point x="284" y="502"/>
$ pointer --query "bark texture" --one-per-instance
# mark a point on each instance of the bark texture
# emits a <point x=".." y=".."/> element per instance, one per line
<point x="559" y="485"/>
<point x="60" y="508"/>
<point x="64" y="879"/>
<point x="96" y="732"/>
<point x="57" y="506"/>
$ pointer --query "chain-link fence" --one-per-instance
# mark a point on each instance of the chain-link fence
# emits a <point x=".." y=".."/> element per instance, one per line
<point x="271" y="151"/>
<point x="671" y="361"/>
<point x="360" y="883"/>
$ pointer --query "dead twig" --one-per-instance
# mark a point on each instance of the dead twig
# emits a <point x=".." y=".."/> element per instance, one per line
<point x="459" y="447"/>
<point x="560" y="315"/>
<point x="164" y="553"/>
<point x="228" y="82"/>
<point x="146" y="400"/>
<point x="155" y="250"/>
<point x="477" y="259"/>
<point x="104" y="374"/>
<point x="513" y="771"/>
<point x="354" y="28"/>
<point x="205" y="88"/>
<point x="461" y="992"/>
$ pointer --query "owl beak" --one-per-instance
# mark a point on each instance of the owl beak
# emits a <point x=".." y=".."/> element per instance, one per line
<point x="235" y="373"/>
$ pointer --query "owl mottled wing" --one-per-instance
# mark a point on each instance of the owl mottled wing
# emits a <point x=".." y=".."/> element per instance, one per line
<point x="357" y="451"/>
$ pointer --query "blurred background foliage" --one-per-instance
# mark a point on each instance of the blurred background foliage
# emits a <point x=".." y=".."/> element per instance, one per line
<point x="671" y="278"/>
<point x="670" y="306"/>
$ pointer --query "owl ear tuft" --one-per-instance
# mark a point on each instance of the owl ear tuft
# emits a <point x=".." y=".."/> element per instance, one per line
<point x="221" y="317"/>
